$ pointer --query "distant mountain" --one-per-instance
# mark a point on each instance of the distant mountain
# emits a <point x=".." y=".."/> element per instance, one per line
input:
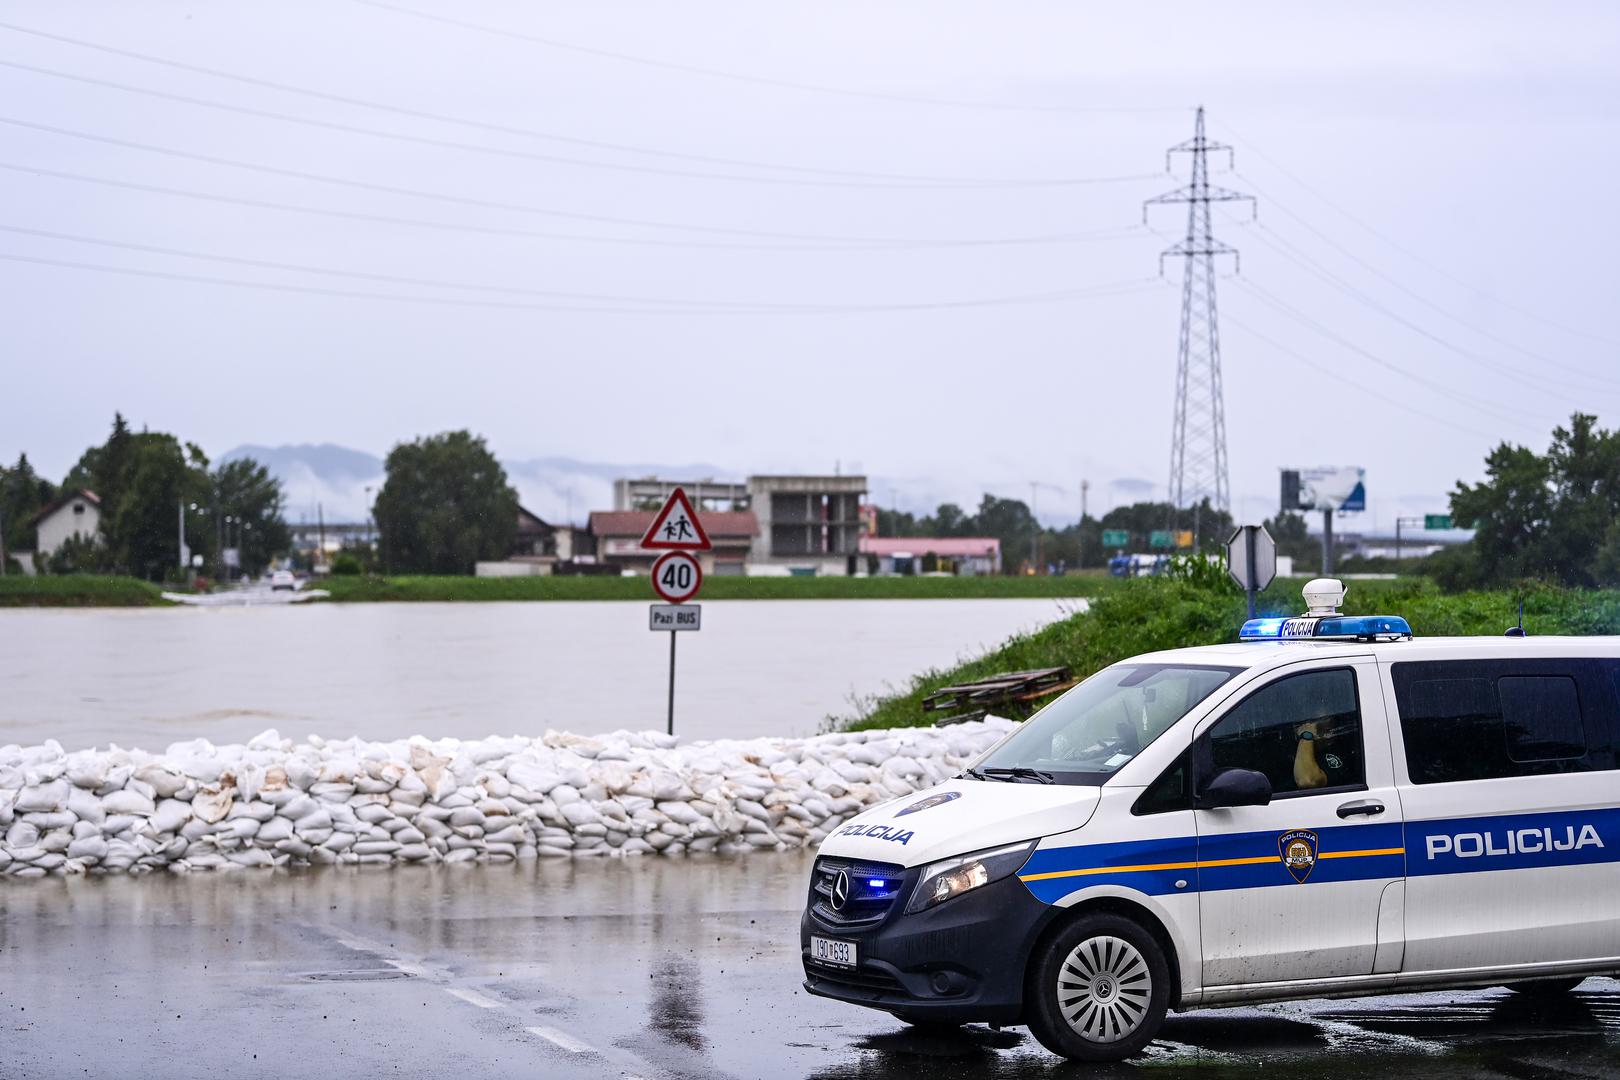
<point x="331" y="481"/>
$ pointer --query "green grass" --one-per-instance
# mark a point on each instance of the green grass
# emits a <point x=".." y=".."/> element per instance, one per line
<point x="1148" y="614"/>
<point x="405" y="588"/>
<point x="78" y="590"/>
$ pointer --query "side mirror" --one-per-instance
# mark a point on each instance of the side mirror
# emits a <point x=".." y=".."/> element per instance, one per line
<point x="1236" y="787"/>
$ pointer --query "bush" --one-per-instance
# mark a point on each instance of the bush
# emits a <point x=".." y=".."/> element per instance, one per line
<point x="347" y="564"/>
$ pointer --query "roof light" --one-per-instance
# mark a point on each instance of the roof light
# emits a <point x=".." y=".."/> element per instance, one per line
<point x="1322" y="622"/>
<point x="1329" y="628"/>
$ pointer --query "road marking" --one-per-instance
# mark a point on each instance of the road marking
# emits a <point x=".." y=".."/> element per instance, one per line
<point x="562" y="1039"/>
<point x="473" y="997"/>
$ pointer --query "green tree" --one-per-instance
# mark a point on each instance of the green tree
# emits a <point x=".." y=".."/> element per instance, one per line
<point x="22" y="493"/>
<point x="244" y="491"/>
<point x="141" y="524"/>
<point x="444" y="505"/>
<point x="1294" y="540"/>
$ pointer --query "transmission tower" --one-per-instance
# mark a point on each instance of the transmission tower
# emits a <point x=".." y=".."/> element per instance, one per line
<point x="1198" y="430"/>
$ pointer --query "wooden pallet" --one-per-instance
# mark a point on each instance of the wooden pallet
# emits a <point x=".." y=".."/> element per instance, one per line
<point x="973" y="700"/>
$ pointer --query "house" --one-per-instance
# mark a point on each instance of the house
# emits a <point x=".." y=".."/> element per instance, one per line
<point x="538" y="547"/>
<point x="963" y="555"/>
<point x="618" y="536"/>
<point x="73" y="513"/>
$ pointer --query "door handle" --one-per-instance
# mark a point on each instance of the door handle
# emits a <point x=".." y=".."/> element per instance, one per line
<point x="1361" y="808"/>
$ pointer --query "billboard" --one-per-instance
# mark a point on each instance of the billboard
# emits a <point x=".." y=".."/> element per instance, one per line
<point x="1325" y="487"/>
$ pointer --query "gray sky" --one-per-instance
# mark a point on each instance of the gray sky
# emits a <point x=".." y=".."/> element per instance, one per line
<point x="1479" y="138"/>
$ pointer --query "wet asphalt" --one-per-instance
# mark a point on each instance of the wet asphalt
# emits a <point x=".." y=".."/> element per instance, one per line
<point x="646" y="968"/>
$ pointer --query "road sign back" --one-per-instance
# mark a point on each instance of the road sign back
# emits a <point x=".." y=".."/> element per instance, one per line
<point x="676" y="528"/>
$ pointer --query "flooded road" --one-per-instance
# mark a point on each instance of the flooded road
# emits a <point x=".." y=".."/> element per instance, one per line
<point x="645" y="968"/>
<point x="150" y="677"/>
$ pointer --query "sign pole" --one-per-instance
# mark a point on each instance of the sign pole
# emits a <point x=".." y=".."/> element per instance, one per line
<point x="1249" y="586"/>
<point x="672" y="682"/>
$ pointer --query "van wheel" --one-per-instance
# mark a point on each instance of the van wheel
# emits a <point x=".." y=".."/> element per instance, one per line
<point x="1546" y="988"/>
<point x="1100" y="990"/>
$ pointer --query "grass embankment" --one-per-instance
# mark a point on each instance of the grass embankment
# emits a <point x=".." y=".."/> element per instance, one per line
<point x="78" y="590"/>
<point x="353" y="589"/>
<point x="1166" y="613"/>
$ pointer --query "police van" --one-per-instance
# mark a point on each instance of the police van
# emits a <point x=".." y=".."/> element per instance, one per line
<point x="1329" y="807"/>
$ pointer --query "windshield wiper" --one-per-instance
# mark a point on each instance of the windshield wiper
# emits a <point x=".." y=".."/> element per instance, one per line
<point x="1022" y="772"/>
<point x="975" y="774"/>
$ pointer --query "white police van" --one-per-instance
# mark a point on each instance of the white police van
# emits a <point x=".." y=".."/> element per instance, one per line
<point x="1328" y="808"/>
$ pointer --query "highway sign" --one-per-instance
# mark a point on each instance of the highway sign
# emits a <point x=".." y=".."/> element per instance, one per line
<point x="675" y="617"/>
<point x="676" y="528"/>
<point x="1116" y="538"/>
<point x="1251" y="559"/>
<point x="1161" y="538"/>
<point x="676" y="576"/>
<point x="1437" y="521"/>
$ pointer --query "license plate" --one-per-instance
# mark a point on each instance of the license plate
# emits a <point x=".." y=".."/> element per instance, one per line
<point x="828" y="951"/>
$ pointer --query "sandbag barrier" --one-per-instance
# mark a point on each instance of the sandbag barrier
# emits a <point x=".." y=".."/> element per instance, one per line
<point x="273" y="803"/>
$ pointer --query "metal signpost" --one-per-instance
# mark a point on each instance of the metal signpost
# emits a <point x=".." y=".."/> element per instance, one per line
<point x="1251" y="559"/>
<point x="676" y="575"/>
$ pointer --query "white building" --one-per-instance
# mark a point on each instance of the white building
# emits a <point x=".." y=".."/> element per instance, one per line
<point x="73" y="513"/>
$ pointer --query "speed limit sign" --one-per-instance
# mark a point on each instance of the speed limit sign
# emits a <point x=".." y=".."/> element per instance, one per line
<point x="676" y="576"/>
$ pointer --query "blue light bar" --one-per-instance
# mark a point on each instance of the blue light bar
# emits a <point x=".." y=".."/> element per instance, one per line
<point x="1327" y="628"/>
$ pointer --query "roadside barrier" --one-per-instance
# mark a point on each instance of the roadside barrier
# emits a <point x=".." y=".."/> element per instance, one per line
<point x="275" y="803"/>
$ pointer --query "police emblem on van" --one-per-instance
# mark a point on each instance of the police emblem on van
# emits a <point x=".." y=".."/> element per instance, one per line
<point x="1297" y="850"/>
<point x="932" y="801"/>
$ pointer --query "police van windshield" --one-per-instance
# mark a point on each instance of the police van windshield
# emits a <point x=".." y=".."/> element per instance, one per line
<point x="1086" y="735"/>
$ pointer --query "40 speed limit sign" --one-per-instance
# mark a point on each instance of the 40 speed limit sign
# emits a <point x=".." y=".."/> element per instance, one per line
<point x="676" y="576"/>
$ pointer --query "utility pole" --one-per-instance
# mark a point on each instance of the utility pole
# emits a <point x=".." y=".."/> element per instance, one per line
<point x="1034" y="532"/>
<point x="1198" y="467"/>
<point x="1080" y="531"/>
<point x="181" y="507"/>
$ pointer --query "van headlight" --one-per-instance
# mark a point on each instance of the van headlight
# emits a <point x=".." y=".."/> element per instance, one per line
<point x="953" y="877"/>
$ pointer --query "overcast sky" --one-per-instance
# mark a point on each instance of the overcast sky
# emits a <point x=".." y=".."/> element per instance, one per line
<point x="1432" y="270"/>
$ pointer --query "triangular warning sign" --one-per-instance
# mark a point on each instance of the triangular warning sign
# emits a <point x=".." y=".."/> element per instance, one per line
<point x="676" y="528"/>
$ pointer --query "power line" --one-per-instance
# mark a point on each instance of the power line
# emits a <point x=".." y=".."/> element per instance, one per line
<point x="1462" y="321"/>
<point x="762" y="80"/>
<point x="1409" y="253"/>
<point x="1359" y="386"/>
<point x="637" y="241"/>
<point x="507" y="129"/>
<point x="1056" y="296"/>
<point x="1299" y="258"/>
<point x="832" y="242"/>
<point x="558" y="159"/>
<point x="1450" y="391"/>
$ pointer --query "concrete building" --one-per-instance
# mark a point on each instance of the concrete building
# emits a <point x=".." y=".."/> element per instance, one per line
<point x="73" y="513"/>
<point x="651" y="492"/>
<point x="807" y="524"/>
<point x="618" y="533"/>
<point x="964" y="555"/>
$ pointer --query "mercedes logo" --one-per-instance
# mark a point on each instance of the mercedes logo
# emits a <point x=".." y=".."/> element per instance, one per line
<point x="840" y="890"/>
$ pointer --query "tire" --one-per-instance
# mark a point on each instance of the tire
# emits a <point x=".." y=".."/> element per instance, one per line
<point x="1111" y="976"/>
<point x="1546" y="988"/>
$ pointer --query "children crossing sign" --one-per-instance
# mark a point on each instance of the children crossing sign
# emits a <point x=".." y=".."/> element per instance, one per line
<point x="676" y="528"/>
<point x="676" y="574"/>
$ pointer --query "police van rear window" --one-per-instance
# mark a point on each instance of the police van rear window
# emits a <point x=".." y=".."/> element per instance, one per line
<point x="1490" y="719"/>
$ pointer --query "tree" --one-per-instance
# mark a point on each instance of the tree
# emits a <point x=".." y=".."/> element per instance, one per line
<point x="141" y="523"/>
<point x="244" y="491"/>
<point x="1549" y="517"/>
<point x="22" y="493"/>
<point x="1294" y="540"/>
<point x="444" y="505"/>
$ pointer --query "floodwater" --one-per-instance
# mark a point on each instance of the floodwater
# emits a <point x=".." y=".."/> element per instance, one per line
<point x="581" y="969"/>
<point x="149" y="677"/>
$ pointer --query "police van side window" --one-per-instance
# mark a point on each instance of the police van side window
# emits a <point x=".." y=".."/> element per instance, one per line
<point x="1491" y="719"/>
<point x="1302" y="731"/>
<point x="1171" y="791"/>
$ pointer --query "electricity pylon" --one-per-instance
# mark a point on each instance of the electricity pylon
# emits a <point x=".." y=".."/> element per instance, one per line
<point x="1198" y="432"/>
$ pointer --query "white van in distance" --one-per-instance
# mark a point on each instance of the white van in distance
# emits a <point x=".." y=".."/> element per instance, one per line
<point x="1329" y="808"/>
